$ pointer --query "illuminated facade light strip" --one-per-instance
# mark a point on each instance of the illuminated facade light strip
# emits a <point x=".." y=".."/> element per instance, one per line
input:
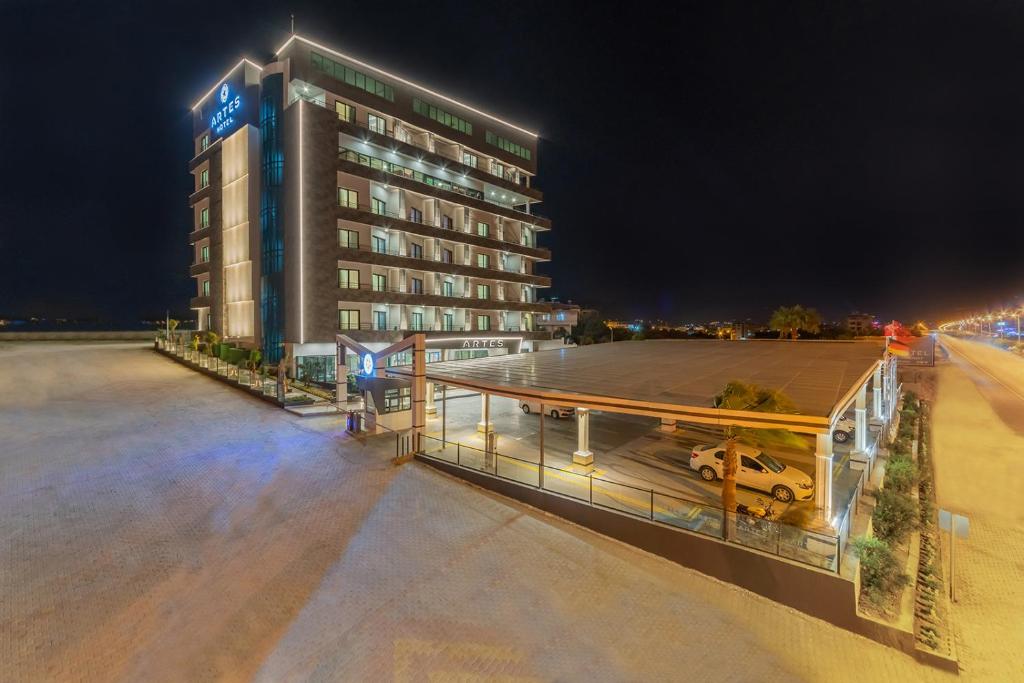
<point x="302" y="274"/>
<point x="242" y="61"/>
<point x="403" y="81"/>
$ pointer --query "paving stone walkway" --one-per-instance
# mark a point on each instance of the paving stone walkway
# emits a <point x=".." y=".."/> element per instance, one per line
<point x="157" y="525"/>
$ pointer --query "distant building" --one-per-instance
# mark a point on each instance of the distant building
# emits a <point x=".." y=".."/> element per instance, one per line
<point x="860" y="323"/>
<point x="563" y="316"/>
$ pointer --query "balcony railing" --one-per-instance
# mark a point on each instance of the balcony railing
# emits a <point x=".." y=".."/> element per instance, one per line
<point x="370" y="287"/>
<point x="439" y="327"/>
<point x="418" y="176"/>
<point x="418" y="218"/>
<point x="515" y="179"/>
<point x="421" y="257"/>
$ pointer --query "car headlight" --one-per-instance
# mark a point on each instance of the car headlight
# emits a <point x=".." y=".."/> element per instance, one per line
<point x="806" y="487"/>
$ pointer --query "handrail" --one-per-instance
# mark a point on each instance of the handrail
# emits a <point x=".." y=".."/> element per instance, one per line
<point x="423" y="257"/>
<point x="412" y="219"/>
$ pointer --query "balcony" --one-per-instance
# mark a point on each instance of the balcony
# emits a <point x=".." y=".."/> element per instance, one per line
<point x="200" y="194"/>
<point x="366" y="332"/>
<point x="386" y="172"/>
<point x="199" y="302"/>
<point x="367" y="293"/>
<point x="362" y="213"/>
<point x="199" y="268"/>
<point x="361" y="130"/>
<point x="198" y="234"/>
<point x="394" y="259"/>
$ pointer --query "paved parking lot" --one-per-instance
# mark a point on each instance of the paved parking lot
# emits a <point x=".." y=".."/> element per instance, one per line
<point x="157" y="525"/>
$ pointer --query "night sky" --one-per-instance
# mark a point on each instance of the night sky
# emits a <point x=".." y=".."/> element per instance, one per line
<point x="702" y="161"/>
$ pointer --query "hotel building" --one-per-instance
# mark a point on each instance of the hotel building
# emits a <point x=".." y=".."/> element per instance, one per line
<point x="332" y="196"/>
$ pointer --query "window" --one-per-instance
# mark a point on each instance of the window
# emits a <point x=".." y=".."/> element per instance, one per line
<point x="204" y="178"/>
<point x="348" y="278"/>
<point x="204" y="254"/>
<point x="346" y="74"/>
<point x="348" y="238"/>
<point x="204" y="218"/>
<point x="209" y="321"/>
<point x="204" y="143"/>
<point x="446" y="222"/>
<point x="416" y="322"/>
<point x="397" y="399"/>
<point x="448" y="321"/>
<point x="380" y="207"/>
<point x="316" y="368"/>
<point x="483" y="261"/>
<point x="380" y="245"/>
<point x="348" y="320"/>
<point x="508" y="146"/>
<point x="469" y="159"/>
<point x="483" y="322"/>
<point x="415" y="250"/>
<point x="483" y="229"/>
<point x="348" y="198"/>
<point x="498" y="170"/>
<point x="448" y="288"/>
<point x="441" y="116"/>
<point x="415" y="215"/>
<point x="416" y="286"/>
<point x="206" y="288"/>
<point x="483" y="291"/>
<point x="346" y="112"/>
<point x="446" y="256"/>
<point x="380" y="282"/>
<point x="380" y="320"/>
<point x="377" y="124"/>
<point x="750" y="464"/>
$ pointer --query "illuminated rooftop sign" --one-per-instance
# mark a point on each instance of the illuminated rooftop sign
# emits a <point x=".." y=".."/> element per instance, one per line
<point x="224" y="118"/>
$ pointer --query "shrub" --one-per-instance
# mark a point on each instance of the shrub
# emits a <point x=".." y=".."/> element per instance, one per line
<point x="880" y="574"/>
<point x="900" y="474"/>
<point x="235" y="356"/>
<point x="223" y="350"/>
<point x="894" y="515"/>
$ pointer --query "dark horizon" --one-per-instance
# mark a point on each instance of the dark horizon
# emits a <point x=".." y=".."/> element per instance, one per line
<point x="698" y="162"/>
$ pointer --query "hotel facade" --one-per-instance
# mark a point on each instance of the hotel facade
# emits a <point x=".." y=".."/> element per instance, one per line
<point x="331" y="196"/>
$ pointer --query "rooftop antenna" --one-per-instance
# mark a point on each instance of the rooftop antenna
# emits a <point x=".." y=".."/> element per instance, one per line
<point x="293" y="24"/>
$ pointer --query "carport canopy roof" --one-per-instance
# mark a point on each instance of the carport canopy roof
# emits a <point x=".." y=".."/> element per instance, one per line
<point x="821" y="377"/>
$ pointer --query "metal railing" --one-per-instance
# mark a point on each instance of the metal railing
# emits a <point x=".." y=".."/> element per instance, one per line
<point x="671" y="509"/>
<point x="390" y="133"/>
<point x="431" y="260"/>
<point x="370" y="287"/>
<point x="418" y="219"/>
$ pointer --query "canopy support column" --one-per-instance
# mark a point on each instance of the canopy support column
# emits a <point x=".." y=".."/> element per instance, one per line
<point x="583" y="455"/>
<point x="823" y="475"/>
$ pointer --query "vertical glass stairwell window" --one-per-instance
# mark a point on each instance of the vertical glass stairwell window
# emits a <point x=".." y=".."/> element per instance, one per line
<point x="204" y="178"/>
<point x="204" y="218"/>
<point x="348" y="198"/>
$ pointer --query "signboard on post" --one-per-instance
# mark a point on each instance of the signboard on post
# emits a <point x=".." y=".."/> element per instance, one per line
<point x="958" y="526"/>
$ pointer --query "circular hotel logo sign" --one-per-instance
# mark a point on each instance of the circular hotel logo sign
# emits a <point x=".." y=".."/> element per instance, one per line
<point x="224" y="92"/>
<point x="367" y="364"/>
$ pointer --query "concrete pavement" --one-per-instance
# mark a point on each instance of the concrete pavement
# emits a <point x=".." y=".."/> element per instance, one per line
<point x="158" y="525"/>
<point x="979" y="470"/>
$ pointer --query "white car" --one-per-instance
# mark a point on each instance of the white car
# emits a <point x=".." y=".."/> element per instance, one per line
<point x="755" y="470"/>
<point x="843" y="431"/>
<point x="554" y="411"/>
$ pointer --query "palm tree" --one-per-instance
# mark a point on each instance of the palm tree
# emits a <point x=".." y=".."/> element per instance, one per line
<point x="791" y="319"/>
<point x="739" y="395"/>
<point x="252" y="363"/>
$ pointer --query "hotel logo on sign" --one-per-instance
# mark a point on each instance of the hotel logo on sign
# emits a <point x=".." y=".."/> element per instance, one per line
<point x="223" y="119"/>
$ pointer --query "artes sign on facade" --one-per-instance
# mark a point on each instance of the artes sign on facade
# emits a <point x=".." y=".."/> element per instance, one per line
<point x="223" y="119"/>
